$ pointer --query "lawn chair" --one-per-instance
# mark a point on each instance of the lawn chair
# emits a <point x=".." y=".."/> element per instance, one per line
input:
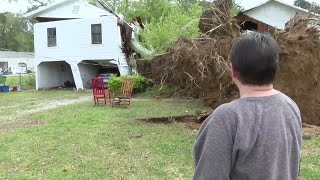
<point x="99" y="91"/>
<point x="123" y="97"/>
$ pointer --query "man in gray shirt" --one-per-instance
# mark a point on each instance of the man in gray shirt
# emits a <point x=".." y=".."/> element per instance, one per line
<point x="256" y="137"/>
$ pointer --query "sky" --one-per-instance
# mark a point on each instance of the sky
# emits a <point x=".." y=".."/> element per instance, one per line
<point x="22" y="5"/>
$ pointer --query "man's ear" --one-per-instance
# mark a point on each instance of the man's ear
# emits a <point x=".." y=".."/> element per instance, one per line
<point x="233" y="71"/>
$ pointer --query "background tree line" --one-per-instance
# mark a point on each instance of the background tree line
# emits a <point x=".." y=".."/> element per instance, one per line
<point x="308" y="6"/>
<point x="16" y="32"/>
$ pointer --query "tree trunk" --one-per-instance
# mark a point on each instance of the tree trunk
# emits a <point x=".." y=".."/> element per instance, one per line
<point x="126" y="11"/>
<point x="114" y="6"/>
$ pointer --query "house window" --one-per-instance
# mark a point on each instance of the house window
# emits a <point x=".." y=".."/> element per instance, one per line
<point x="96" y="34"/>
<point x="52" y="37"/>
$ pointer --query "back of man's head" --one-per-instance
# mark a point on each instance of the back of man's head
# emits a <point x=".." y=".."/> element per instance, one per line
<point x="254" y="58"/>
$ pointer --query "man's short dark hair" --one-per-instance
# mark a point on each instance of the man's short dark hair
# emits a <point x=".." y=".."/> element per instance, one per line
<point x="255" y="58"/>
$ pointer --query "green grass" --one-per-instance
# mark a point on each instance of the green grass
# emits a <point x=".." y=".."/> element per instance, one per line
<point x="311" y="159"/>
<point x="28" y="82"/>
<point x="81" y="141"/>
<point x="86" y="142"/>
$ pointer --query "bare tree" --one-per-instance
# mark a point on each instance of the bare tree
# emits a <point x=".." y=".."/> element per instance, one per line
<point x="37" y="2"/>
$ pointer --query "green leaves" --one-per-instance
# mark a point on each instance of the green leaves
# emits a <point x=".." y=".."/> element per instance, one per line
<point x="166" y="20"/>
<point x="163" y="32"/>
<point x="16" y="33"/>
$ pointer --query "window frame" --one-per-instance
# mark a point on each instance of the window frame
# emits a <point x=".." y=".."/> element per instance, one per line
<point x="52" y="37"/>
<point x="96" y="34"/>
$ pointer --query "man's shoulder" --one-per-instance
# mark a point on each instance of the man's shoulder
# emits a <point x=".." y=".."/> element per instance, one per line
<point x="289" y="99"/>
<point x="292" y="104"/>
<point x="222" y="113"/>
<point x="229" y="108"/>
<point x="223" y="108"/>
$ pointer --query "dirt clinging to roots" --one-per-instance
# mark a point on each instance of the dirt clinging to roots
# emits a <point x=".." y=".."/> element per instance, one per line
<point x="199" y="68"/>
<point x="300" y="67"/>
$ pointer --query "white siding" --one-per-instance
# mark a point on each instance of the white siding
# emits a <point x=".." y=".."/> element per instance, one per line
<point x="13" y="64"/>
<point x="74" y="40"/>
<point x="273" y="13"/>
<point x="75" y="9"/>
<point x="74" y="43"/>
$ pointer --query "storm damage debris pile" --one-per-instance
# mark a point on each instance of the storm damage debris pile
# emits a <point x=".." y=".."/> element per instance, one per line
<point x="199" y="67"/>
<point x="299" y="75"/>
<point x="217" y="22"/>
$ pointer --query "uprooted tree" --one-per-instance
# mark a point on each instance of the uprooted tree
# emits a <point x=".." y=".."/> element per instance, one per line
<point x="199" y="67"/>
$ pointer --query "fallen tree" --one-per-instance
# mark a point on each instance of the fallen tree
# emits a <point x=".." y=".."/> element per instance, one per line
<point x="199" y="67"/>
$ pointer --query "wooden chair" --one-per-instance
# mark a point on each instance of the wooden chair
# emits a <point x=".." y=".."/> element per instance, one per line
<point x="99" y="91"/>
<point x="123" y="97"/>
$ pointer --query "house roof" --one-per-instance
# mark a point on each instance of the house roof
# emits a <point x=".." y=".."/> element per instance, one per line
<point x="81" y="9"/>
<point x="279" y="1"/>
<point x="13" y="54"/>
<point x="103" y="6"/>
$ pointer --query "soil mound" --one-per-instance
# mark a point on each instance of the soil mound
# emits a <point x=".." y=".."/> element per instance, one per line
<point x="300" y="66"/>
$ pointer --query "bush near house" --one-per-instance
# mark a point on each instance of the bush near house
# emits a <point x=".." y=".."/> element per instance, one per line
<point x="139" y="83"/>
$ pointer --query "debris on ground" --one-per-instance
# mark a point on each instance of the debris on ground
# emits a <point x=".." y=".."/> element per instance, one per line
<point x="199" y="67"/>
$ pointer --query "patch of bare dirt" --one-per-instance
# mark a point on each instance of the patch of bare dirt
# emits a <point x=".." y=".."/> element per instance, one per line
<point x="6" y="128"/>
<point x="45" y="106"/>
<point x="192" y="122"/>
<point x="310" y="131"/>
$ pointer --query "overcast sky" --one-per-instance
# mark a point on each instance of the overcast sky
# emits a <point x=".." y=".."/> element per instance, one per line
<point x="22" y="5"/>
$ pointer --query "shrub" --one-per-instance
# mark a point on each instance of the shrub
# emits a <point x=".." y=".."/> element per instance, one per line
<point x="115" y="83"/>
<point x="139" y="83"/>
<point x="29" y="81"/>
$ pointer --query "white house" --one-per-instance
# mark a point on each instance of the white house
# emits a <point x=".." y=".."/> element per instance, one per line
<point x="75" y="41"/>
<point x="268" y="15"/>
<point x="9" y="62"/>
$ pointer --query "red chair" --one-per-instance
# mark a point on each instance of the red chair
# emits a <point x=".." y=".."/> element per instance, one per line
<point x="99" y="91"/>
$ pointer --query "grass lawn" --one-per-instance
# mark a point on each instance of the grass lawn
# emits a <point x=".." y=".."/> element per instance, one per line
<point x="311" y="159"/>
<point x="80" y="141"/>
